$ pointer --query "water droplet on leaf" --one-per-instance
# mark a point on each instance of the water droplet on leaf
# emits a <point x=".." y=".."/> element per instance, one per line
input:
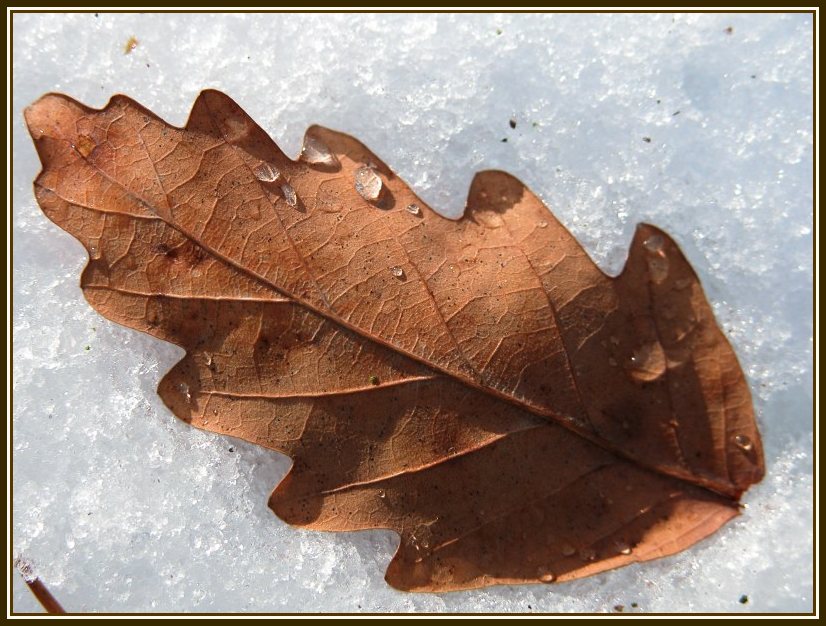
<point x="743" y="442"/>
<point x="545" y="575"/>
<point x="289" y="194"/>
<point x="657" y="261"/>
<point x="567" y="549"/>
<point x="316" y="152"/>
<point x="414" y="209"/>
<point x="184" y="389"/>
<point x="397" y="271"/>
<point x="266" y="173"/>
<point x="654" y="243"/>
<point x="368" y="184"/>
<point x="647" y="362"/>
<point x="94" y="249"/>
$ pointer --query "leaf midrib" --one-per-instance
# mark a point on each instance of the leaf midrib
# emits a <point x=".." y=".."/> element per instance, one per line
<point x="521" y="403"/>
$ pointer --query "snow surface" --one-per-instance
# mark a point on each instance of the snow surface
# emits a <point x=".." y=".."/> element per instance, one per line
<point x="121" y="507"/>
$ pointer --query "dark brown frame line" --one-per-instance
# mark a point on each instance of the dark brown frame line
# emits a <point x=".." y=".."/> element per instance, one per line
<point x="38" y="587"/>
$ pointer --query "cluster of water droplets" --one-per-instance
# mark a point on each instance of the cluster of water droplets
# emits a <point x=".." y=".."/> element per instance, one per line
<point x="268" y="173"/>
<point x="420" y="542"/>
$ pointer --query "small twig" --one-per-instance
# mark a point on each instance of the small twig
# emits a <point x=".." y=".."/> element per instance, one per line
<point x="44" y="596"/>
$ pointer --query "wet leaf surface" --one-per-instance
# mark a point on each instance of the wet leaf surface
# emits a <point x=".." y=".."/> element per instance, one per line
<point x="477" y="385"/>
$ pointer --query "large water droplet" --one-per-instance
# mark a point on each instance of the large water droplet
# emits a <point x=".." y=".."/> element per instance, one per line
<point x="543" y="224"/>
<point x="266" y="173"/>
<point x="414" y="209"/>
<point x="85" y="144"/>
<point x="316" y="152"/>
<point x="655" y="243"/>
<point x="368" y="184"/>
<point x="623" y="547"/>
<point x="397" y="271"/>
<point x="289" y="194"/>
<point x="545" y="575"/>
<point x="647" y="362"/>
<point x="743" y="442"/>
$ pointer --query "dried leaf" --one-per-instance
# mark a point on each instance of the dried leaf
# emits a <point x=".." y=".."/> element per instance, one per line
<point x="477" y="385"/>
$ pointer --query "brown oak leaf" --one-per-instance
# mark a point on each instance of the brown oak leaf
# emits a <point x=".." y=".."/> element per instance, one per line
<point x="477" y="385"/>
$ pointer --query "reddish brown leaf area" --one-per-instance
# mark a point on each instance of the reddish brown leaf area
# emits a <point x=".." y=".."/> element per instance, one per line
<point x="477" y="385"/>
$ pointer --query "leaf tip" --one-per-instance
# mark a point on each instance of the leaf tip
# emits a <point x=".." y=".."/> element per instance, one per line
<point x="39" y="115"/>
<point x="654" y="253"/>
